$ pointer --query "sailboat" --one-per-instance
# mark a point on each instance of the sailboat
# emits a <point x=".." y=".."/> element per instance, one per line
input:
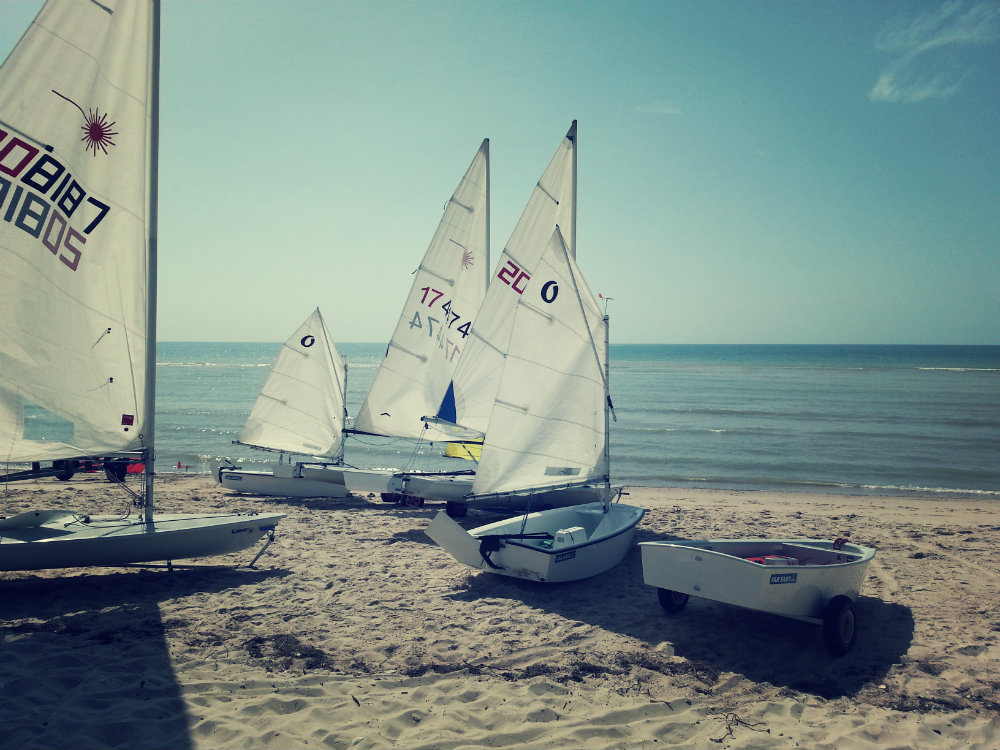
<point x="448" y="287"/>
<point x="475" y="389"/>
<point x="547" y="434"/>
<point x="78" y="238"/>
<point x="302" y="411"/>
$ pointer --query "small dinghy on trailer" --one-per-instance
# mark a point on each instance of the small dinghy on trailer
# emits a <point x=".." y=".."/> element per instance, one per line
<point x="552" y="546"/>
<point x="813" y="580"/>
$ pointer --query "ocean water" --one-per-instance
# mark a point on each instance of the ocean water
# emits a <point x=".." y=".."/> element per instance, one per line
<point x="853" y="419"/>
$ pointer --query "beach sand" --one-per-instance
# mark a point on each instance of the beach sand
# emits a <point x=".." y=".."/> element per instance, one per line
<point x="356" y="631"/>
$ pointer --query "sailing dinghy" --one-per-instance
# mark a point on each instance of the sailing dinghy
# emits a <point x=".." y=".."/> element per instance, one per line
<point x="547" y="434"/>
<point x="814" y="580"/>
<point x="509" y="365"/>
<point x="552" y="546"/>
<point x="78" y="236"/>
<point x="301" y="410"/>
<point x="414" y="377"/>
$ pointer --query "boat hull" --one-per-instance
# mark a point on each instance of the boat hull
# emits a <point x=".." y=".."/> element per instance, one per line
<point x="455" y="489"/>
<point x="58" y="539"/>
<point x="718" y="569"/>
<point x="586" y="541"/>
<point x="438" y="486"/>
<point x="286" y="481"/>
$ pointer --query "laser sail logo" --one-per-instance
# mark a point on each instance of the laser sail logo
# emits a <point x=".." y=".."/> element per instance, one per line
<point x="97" y="131"/>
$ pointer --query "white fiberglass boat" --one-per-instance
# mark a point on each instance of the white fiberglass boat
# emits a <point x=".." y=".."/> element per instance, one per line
<point x="48" y="539"/>
<point x="553" y="546"/>
<point x="814" y="580"/>
<point x="547" y="438"/>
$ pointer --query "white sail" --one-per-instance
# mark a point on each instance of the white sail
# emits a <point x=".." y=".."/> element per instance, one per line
<point x="548" y="422"/>
<point x="433" y="328"/>
<point x="75" y="133"/>
<point x="300" y="409"/>
<point x="476" y="378"/>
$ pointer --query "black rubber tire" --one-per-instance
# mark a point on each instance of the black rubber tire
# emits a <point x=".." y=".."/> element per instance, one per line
<point x="410" y="501"/>
<point x="116" y="471"/>
<point x="672" y="601"/>
<point x="840" y="626"/>
<point x="68" y="469"/>
<point x="456" y="509"/>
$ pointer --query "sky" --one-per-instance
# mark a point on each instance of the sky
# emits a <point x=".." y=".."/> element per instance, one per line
<point x="749" y="172"/>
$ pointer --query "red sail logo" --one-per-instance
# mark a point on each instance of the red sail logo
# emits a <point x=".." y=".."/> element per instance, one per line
<point x="97" y="131"/>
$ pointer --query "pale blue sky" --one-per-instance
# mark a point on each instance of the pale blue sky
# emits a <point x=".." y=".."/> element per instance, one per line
<point x="750" y="172"/>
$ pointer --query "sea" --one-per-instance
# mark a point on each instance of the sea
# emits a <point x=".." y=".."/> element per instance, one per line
<point x="834" y="419"/>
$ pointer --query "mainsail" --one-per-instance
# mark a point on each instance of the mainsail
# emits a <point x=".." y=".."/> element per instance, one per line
<point x="434" y="326"/>
<point x="477" y="377"/>
<point x="548" y="424"/>
<point x="301" y="407"/>
<point x="75" y="136"/>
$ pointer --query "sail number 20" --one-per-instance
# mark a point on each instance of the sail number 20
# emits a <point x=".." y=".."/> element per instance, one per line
<point x="513" y="276"/>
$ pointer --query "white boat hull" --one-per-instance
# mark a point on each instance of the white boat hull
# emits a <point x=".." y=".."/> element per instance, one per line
<point x="717" y="569"/>
<point x="285" y="481"/>
<point x="562" y="497"/>
<point x="455" y="489"/>
<point x="585" y="541"/>
<point x="58" y="539"/>
<point x="437" y="486"/>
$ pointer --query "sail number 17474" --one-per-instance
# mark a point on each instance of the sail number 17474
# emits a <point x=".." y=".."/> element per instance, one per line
<point x="436" y="326"/>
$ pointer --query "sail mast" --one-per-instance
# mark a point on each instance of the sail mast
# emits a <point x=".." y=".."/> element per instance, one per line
<point x="607" y="410"/>
<point x="488" y="270"/>
<point x="341" y="452"/>
<point x="571" y="135"/>
<point x="149" y="401"/>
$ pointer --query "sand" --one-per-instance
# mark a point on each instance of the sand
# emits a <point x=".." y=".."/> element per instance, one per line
<point x="356" y="631"/>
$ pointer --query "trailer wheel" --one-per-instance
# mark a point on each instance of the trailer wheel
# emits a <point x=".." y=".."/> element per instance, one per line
<point x="411" y="501"/>
<point x="456" y="510"/>
<point x="66" y="470"/>
<point x="672" y="601"/>
<point x="115" y="471"/>
<point x="839" y="625"/>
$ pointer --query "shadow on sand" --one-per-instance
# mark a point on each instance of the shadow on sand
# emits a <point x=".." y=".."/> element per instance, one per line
<point x="715" y="637"/>
<point x="85" y="659"/>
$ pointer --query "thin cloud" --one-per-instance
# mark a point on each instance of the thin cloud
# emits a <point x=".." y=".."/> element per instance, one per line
<point x="658" y="108"/>
<point x="927" y="63"/>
